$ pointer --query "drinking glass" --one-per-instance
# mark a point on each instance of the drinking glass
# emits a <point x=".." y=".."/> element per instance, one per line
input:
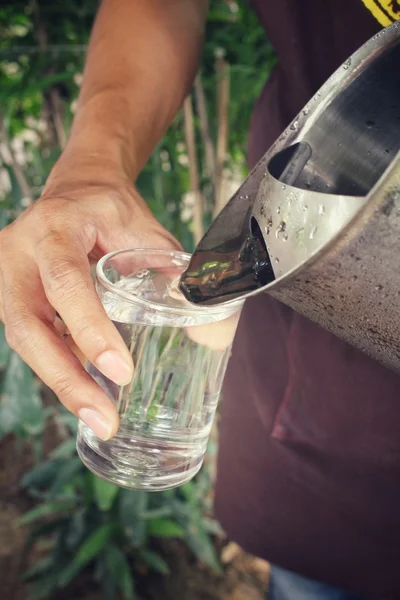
<point x="180" y="353"/>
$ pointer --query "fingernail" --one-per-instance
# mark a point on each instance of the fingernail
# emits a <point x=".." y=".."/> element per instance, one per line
<point x="113" y="366"/>
<point x="96" y="422"/>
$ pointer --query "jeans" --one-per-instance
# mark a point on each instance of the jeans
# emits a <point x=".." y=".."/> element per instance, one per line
<point x="285" y="585"/>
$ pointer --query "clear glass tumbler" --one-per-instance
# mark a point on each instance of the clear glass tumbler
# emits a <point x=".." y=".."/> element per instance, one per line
<point x="180" y="353"/>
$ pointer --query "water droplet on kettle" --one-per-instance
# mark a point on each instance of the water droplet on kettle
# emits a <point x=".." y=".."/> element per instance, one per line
<point x="280" y="232"/>
<point x="313" y="232"/>
<point x="321" y="209"/>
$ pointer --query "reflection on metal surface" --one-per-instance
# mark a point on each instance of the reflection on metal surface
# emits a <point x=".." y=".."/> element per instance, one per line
<point x="319" y="216"/>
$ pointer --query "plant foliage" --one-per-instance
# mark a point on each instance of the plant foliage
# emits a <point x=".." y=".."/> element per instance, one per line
<point x="78" y="522"/>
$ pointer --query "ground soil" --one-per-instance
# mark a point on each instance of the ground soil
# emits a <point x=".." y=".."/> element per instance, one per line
<point x="245" y="577"/>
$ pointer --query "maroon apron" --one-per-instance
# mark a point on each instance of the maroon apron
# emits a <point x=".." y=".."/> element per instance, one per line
<point x="309" y="461"/>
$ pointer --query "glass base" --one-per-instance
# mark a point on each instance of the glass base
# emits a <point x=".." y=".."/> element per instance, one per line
<point x="139" y="463"/>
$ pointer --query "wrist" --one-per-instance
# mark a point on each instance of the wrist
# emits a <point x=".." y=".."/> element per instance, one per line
<point x="102" y="134"/>
<point x="83" y="167"/>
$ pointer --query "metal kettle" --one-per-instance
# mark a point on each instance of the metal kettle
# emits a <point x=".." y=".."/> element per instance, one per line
<point x="321" y="211"/>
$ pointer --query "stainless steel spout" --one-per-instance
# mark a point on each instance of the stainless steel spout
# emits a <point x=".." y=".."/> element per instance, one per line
<point x="317" y="222"/>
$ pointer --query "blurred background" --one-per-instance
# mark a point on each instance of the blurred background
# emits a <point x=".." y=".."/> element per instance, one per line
<point x="63" y="532"/>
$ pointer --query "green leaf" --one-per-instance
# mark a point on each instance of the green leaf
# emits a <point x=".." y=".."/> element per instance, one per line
<point x="64" y="450"/>
<point x="21" y="408"/>
<point x="108" y="586"/>
<point x="105" y="493"/>
<point x="201" y="545"/>
<point x="3" y="212"/>
<point x="39" y="568"/>
<point x="40" y="533"/>
<point x="86" y="487"/>
<point x="44" y="587"/>
<point x="91" y="548"/>
<point x="79" y="523"/>
<point x="43" y="510"/>
<point x="4" y="348"/>
<point x="154" y="561"/>
<point x="212" y="526"/>
<point x="165" y="528"/>
<point x="120" y="569"/>
<point x="157" y="513"/>
<point x="132" y="504"/>
<point x="189" y="491"/>
<point x="24" y="88"/>
<point x="67" y="473"/>
<point x="222" y="14"/>
<point x="40" y="476"/>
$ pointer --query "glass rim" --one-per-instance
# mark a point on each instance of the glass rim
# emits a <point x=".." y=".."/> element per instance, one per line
<point x="225" y="309"/>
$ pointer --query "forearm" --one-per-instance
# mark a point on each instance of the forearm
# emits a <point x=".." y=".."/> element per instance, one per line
<point x="142" y="58"/>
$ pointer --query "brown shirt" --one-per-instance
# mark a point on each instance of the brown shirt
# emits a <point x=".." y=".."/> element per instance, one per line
<point x="309" y="462"/>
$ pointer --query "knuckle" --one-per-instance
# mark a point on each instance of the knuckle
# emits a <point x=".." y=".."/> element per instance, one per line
<point x="62" y="278"/>
<point x="87" y="325"/>
<point x="88" y="331"/>
<point x="64" y="390"/>
<point x="50" y="237"/>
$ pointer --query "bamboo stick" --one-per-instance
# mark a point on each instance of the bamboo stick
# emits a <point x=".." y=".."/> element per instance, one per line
<point x="209" y="150"/>
<point x="223" y="90"/>
<point x="193" y="170"/>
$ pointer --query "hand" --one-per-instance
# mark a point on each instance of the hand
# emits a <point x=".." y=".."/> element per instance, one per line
<point x="45" y="270"/>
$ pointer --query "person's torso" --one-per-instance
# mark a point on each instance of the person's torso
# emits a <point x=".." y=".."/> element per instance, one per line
<point x="309" y="464"/>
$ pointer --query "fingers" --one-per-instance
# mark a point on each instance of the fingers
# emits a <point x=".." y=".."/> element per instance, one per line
<point x="75" y="350"/>
<point x="65" y="273"/>
<point x="59" y="369"/>
<point x="44" y="273"/>
<point x="37" y="341"/>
